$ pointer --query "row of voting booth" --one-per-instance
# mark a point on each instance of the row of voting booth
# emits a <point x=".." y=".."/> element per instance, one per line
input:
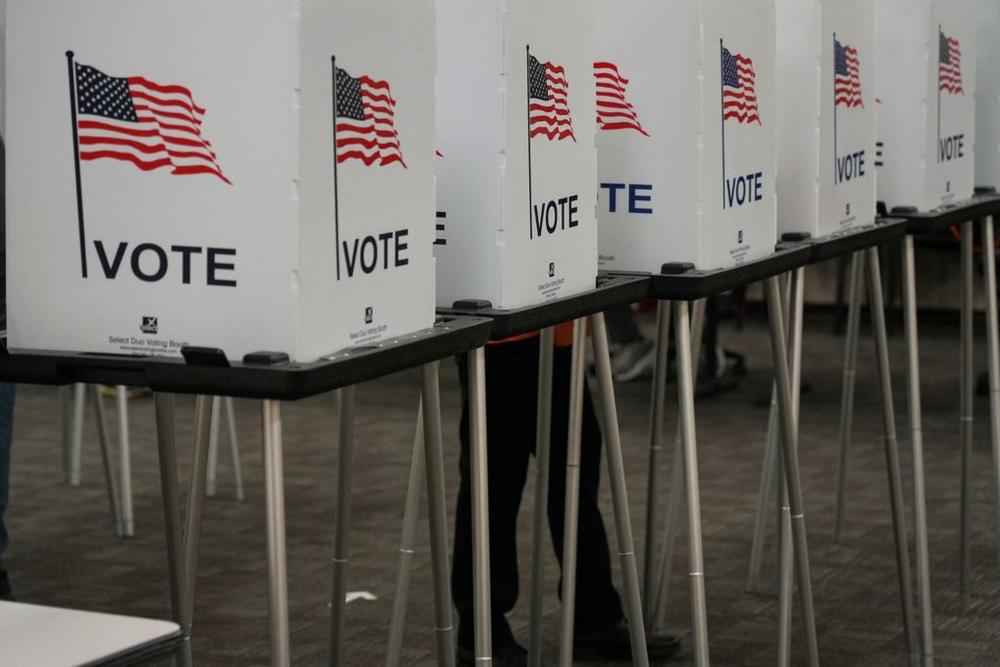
<point x="147" y="187"/>
<point x="295" y="181"/>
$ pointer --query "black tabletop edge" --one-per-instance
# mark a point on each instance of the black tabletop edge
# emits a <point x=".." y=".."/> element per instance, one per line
<point x="287" y="381"/>
<point x="850" y="241"/>
<point x="611" y="290"/>
<point x="699" y="284"/>
<point x="968" y="210"/>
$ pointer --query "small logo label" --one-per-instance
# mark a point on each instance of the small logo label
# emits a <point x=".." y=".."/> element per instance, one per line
<point x="552" y="269"/>
<point x="848" y="208"/>
<point x="369" y="315"/>
<point x="150" y="325"/>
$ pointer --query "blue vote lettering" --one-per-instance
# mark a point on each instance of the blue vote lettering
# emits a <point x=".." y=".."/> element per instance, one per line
<point x="638" y="195"/>
<point x="744" y="189"/>
<point x="851" y="166"/>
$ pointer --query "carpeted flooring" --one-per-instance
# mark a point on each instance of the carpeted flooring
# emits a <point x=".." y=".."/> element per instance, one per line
<point x="63" y="551"/>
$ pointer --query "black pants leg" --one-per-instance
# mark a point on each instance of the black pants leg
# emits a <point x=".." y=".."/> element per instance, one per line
<point x="511" y="410"/>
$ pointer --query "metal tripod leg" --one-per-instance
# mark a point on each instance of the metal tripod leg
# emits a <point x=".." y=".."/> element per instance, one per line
<point x="543" y="436"/>
<point x="213" y="448"/>
<point x="785" y="569"/>
<point x="789" y="442"/>
<point x="855" y="291"/>
<point x="66" y="425"/>
<point x="110" y="479"/>
<point x="341" y="547"/>
<point x="657" y="409"/>
<point x="125" y="462"/>
<point x="167" y="450"/>
<point x="277" y="566"/>
<point x="917" y="439"/>
<point x="480" y="508"/>
<point x="993" y="348"/>
<point x="196" y="498"/>
<point x="967" y="375"/>
<point x="768" y="480"/>
<point x="76" y="439"/>
<point x="891" y="447"/>
<point x="619" y="493"/>
<point x="570" y="524"/>
<point x="685" y="413"/>
<point x="234" y="448"/>
<point x="670" y="525"/>
<point x="411" y="512"/>
<point x="437" y="515"/>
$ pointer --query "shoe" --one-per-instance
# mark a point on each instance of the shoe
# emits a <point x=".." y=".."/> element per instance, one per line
<point x="635" y="361"/>
<point x="506" y="651"/>
<point x="614" y="643"/>
<point x="6" y="592"/>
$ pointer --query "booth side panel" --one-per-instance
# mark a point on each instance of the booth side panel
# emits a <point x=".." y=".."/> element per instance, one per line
<point x="988" y="94"/>
<point x="472" y="165"/>
<point x="649" y="53"/>
<point x="367" y="264"/>
<point x="180" y="230"/>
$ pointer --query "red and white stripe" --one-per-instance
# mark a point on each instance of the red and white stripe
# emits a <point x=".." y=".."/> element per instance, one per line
<point x="614" y="111"/>
<point x="950" y="74"/>
<point x="741" y="103"/>
<point x="551" y="118"/>
<point x="168" y="134"/>
<point x="375" y="139"/>
<point x="847" y="89"/>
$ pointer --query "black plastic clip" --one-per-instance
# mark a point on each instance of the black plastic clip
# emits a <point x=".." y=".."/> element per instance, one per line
<point x="472" y="304"/>
<point x="205" y="356"/>
<point x="795" y="237"/>
<point x="676" y="268"/>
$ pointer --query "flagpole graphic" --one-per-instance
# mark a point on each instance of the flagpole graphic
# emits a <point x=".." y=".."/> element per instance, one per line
<point x="336" y="201"/>
<point x="722" y="113"/>
<point x="71" y="66"/>
<point x="940" y="59"/>
<point x="835" y="61"/>
<point x="531" y="228"/>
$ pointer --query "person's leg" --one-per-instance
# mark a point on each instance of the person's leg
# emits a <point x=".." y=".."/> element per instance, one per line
<point x="511" y="388"/>
<point x="597" y="603"/>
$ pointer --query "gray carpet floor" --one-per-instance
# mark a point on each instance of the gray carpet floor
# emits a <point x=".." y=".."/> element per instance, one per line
<point x="63" y="551"/>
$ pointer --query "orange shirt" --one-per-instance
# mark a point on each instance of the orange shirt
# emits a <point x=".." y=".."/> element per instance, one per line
<point x="563" y="335"/>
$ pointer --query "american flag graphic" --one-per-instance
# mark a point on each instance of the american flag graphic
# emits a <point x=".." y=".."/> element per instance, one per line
<point x="739" y="95"/>
<point x="366" y="129"/>
<point x="548" y="101"/>
<point x="949" y="65"/>
<point x="136" y="120"/>
<point x="846" y="76"/>
<point x="614" y="112"/>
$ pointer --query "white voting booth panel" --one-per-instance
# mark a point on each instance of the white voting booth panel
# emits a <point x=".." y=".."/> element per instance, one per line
<point x="517" y="170"/>
<point x="988" y="94"/>
<point x="686" y="132"/>
<point x="205" y="205"/>
<point x="925" y="85"/>
<point x="826" y="146"/>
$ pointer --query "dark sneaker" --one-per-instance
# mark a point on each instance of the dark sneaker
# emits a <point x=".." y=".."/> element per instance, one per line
<point x="6" y="593"/>
<point x="614" y="643"/>
<point x="506" y="651"/>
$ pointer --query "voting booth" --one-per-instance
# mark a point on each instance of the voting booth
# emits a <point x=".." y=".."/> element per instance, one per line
<point x="516" y="166"/>
<point x="686" y="132"/>
<point x="925" y="88"/>
<point x="988" y="94"/>
<point x="232" y="174"/>
<point x="826" y="111"/>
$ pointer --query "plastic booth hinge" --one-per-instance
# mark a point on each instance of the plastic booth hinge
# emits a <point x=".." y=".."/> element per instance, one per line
<point x="205" y="356"/>
<point x="472" y="304"/>
<point x="982" y="190"/>
<point x="266" y="358"/>
<point x="881" y="209"/>
<point x="795" y="237"/>
<point x="676" y="268"/>
<point x="904" y="210"/>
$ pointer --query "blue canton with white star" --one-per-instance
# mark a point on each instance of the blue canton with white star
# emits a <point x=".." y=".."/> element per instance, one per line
<point x="101" y="95"/>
